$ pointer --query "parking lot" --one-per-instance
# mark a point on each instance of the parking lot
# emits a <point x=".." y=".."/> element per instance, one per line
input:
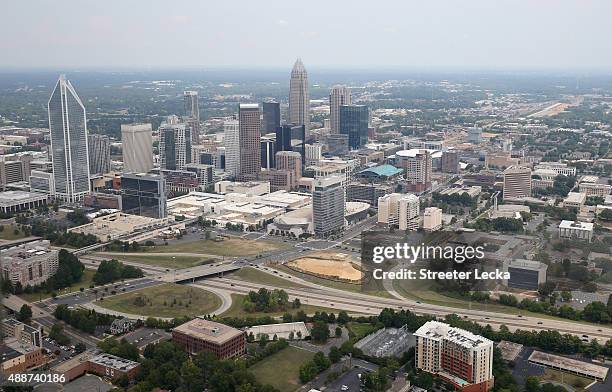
<point x="349" y="381"/>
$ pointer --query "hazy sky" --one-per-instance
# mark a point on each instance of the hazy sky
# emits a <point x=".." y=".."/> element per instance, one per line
<point x="331" y="33"/>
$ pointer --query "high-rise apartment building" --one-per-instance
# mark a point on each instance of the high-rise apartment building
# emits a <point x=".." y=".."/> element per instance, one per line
<point x="456" y="355"/>
<point x="517" y="182"/>
<point x="418" y="166"/>
<point x="192" y="113"/>
<point x="401" y="210"/>
<point x="339" y="95"/>
<point x="328" y="205"/>
<point x="292" y="161"/>
<point x="314" y="153"/>
<point x="99" y="154"/>
<point x="29" y="264"/>
<point x="143" y="194"/>
<point x="231" y="140"/>
<point x="475" y="135"/>
<point x="15" y="168"/>
<point x="450" y="161"/>
<point x="271" y="117"/>
<point x="174" y="144"/>
<point x="299" y="100"/>
<point x="354" y="123"/>
<point x="249" y="118"/>
<point x="69" y="152"/>
<point x="137" y="148"/>
<point x="432" y="219"/>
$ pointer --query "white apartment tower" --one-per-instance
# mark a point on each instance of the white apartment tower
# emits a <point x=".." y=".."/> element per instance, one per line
<point x="69" y="151"/>
<point x="339" y="95"/>
<point x="401" y="210"/>
<point x="456" y="355"/>
<point x="231" y="140"/>
<point x="174" y="144"/>
<point x="137" y="146"/>
<point x="517" y="182"/>
<point x="432" y="219"/>
<point x="299" y="100"/>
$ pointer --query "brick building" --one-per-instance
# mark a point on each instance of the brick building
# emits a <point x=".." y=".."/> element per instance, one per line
<point x="203" y="335"/>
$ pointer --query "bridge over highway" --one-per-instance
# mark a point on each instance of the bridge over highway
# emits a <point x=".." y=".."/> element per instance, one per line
<point x="201" y="271"/>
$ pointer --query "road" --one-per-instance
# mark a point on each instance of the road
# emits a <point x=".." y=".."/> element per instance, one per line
<point x="366" y="304"/>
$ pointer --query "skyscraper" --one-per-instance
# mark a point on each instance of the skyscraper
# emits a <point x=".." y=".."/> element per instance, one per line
<point x="339" y="95"/>
<point x="137" y="146"/>
<point x="231" y="140"/>
<point x="290" y="160"/>
<point x="354" y="123"/>
<point x="249" y="117"/>
<point x="450" y="161"/>
<point x="517" y="182"/>
<point x="418" y="166"/>
<point x="328" y="205"/>
<point x="192" y="112"/>
<point x="268" y="149"/>
<point x="283" y="138"/>
<point x="299" y="100"/>
<point x="174" y="144"/>
<point x="69" y="153"/>
<point x="271" y="117"/>
<point x="143" y="194"/>
<point x="99" y="154"/>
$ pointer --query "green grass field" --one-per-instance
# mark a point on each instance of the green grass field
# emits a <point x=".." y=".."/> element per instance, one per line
<point x="229" y="247"/>
<point x="576" y="382"/>
<point x="165" y="261"/>
<point x="254" y="275"/>
<point x="236" y="309"/>
<point x="281" y="370"/>
<point x="8" y="233"/>
<point x="86" y="281"/>
<point x="168" y="300"/>
<point x="360" y="330"/>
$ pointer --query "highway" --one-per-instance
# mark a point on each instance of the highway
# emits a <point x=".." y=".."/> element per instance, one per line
<point x="367" y="304"/>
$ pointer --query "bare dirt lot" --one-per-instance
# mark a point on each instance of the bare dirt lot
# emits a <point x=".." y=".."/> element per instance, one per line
<point x="329" y="264"/>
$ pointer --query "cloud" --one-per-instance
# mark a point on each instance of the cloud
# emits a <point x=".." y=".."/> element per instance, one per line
<point x="282" y="22"/>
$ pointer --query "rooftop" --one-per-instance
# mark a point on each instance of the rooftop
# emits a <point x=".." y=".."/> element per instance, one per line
<point x="208" y="330"/>
<point x="382" y="171"/>
<point x="527" y="264"/>
<point x="437" y="331"/>
<point x="114" y="362"/>
<point x="575" y="197"/>
<point x="585" y="368"/>
<point x="13" y="197"/>
<point x="567" y="224"/>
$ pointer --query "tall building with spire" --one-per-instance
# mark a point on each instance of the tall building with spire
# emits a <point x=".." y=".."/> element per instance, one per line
<point x="299" y="100"/>
<point x="192" y="114"/>
<point x="339" y="95"/>
<point x="69" y="152"/>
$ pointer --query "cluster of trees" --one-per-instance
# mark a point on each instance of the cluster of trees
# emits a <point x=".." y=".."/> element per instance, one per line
<point x="24" y="314"/>
<point x="532" y="384"/>
<point x="57" y="334"/>
<point x="69" y="271"/>
<point x="77" y="217"/>
<point x="265" y="300"/>
<point x="455" y="199"/>
<point x="166" y="365"/>
<point x="562" y="185"/>
<point x="505" y="225"/>
<point x="316" y="365"/>
<point x="126" y="246"/>
<point x="120" y="348"/>
<point x="234" y="227"/>
<point x="113" y="270"/>
<point x="82" y="319"/>
<point x="269" y="349"/>
<point x="597" y="312"/>
<point x="58" y="235"/>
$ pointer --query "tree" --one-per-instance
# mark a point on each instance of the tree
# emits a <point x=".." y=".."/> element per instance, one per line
<point x="320" y="331"/>
<point x="191" y="379"/>
<point x="343" y="318"/>
<point x="308" y="371"/>
<point x="424" y="380"/>
<point x="321" y="361"/>
<point x="338" y="332"/>
<point x="532" y="384"/>
<point x="80" y="347"/>
<point x="334" y="354"/>
<point x="25" y="313"/>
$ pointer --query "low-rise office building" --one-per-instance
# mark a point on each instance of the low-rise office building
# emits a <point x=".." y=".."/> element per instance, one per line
<point x="525" y="274"/>
<point x="574" y="200"/>
<point x="595" y="189"/>
<point x="576" y="230"/>
<point x="29" y="264"/>
<point x="200" y="335"/>
<point x="118" y="224"/>
<point x="22" y="332"/>
<point x="16" y="201"/>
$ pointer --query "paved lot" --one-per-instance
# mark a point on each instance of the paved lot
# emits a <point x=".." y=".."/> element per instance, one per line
<point x="349" y="379"/>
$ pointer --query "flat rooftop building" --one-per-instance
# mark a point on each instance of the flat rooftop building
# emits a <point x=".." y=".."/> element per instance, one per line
<point x="574" y="200"/>
<point x="204" y="335"/>
<point x="525" y="274"/>
<point x="576" y="230"/>
<point x="29" y="264"/>
<point x="569" y="365"/>
<point x="16" y="201"/>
